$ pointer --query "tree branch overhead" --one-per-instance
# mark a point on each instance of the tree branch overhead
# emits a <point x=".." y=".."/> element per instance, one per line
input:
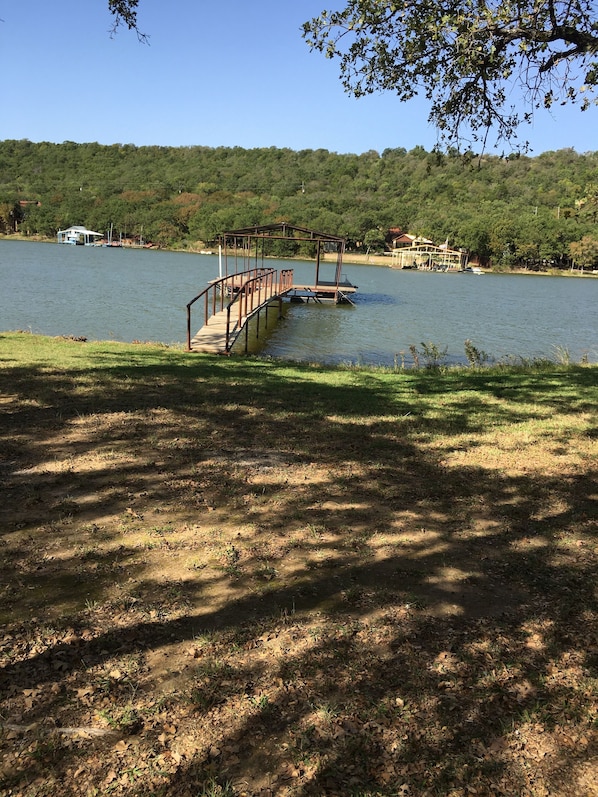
<point x="465" y="57"/>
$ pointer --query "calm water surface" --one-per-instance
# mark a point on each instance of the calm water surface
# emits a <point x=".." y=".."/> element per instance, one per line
<point x="126" y="294"/>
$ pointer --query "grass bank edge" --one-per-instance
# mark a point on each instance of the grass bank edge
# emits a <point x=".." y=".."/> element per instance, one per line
<point x="17" y="347"/>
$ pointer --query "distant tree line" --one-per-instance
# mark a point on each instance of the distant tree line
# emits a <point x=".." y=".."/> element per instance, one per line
<point x="510" y="211"/>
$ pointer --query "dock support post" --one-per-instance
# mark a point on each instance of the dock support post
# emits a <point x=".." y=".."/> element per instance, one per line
<point x="318" y="252"/>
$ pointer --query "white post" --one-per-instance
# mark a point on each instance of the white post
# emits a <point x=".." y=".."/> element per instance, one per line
<point x="220" y="260"/>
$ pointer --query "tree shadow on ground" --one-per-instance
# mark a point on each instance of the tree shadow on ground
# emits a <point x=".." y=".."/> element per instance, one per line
<point x="325" y="583"/>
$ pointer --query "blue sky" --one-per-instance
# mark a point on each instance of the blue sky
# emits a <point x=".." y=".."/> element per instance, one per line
<point x="216" y="73"/>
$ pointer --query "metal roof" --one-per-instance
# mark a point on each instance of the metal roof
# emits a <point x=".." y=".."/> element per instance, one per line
<point x="282" y="230"/>
<point x="79" y="230"/>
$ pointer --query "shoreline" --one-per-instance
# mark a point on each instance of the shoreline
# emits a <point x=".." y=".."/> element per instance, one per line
<point x="355" y="259"/>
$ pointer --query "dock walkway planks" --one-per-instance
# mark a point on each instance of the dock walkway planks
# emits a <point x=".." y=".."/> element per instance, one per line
<point x="211" y="338"/>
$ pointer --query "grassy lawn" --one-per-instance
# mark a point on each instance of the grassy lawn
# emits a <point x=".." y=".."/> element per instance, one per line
<point x="225" y="576"/>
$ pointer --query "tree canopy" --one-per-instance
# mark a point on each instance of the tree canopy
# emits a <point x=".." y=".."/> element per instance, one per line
<point x="467" y="58"/>
<point x="512" y="211"/>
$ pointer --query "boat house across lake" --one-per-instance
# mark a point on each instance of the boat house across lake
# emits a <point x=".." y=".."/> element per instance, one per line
<point x="427" y="257"/>
<point x="78" y="236"/>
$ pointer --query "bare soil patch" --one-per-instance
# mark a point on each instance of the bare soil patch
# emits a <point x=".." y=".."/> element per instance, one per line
<point x="245" y="578"/>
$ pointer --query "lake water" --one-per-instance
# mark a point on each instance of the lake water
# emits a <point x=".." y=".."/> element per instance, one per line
<point x="129" y="294"/>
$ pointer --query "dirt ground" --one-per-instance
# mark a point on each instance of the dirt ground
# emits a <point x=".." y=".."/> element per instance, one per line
<point x="206" y="597"/>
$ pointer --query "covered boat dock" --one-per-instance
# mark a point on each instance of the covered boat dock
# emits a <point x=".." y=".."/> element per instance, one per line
<point x="249" y="247"/>
<point x="78" y="236"/>
<point x="425" y="256"/>
<point x="246" y="285"/>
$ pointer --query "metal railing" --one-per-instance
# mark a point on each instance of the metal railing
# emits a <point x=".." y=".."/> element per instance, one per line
<point x="250" y="291"/>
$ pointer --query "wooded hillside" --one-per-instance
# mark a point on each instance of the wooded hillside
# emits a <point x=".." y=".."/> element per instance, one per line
<point x="510" y="210"/>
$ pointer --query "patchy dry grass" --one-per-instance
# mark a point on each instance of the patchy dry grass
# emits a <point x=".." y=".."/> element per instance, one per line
<point x="238" y="577"/>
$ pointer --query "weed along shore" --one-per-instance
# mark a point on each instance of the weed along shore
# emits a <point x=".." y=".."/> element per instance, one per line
<point x="226" y="576"/>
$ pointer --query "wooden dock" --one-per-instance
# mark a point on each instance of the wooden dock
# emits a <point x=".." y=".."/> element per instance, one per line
<point x="324" y="291"/>
<point x="232" y="301"/>
<point x="247" y="299"/>
<point x="223" y="328"/>
<point x="211" y="338"/>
